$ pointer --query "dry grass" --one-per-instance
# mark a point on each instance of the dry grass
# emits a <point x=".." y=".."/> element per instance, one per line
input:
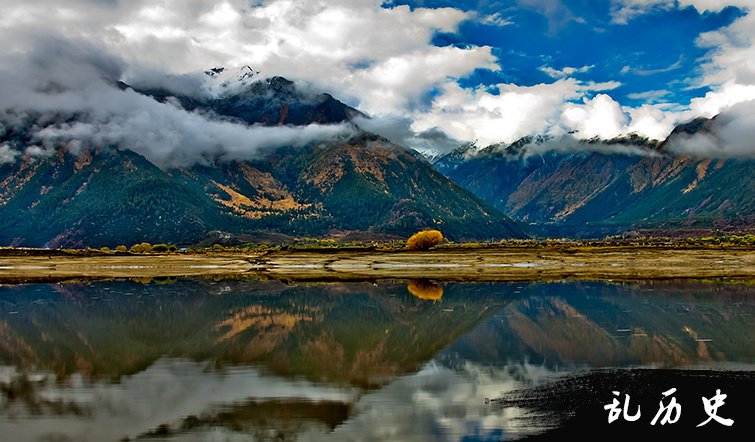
<point x="515" y="263"/>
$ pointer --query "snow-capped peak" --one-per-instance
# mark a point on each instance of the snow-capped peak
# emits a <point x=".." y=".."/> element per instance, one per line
<point x="221" y="79"/>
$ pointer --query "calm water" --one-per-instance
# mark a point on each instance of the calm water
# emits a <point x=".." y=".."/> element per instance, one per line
<point x="247" y="360"/>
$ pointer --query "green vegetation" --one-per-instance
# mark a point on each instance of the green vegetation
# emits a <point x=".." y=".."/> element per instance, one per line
<point x="737" y="240"/>
<point x="144" y="247"/>
<point x="160" y="248"/>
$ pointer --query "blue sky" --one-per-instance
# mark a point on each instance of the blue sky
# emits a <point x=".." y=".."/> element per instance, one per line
<point x="653" y="56"/>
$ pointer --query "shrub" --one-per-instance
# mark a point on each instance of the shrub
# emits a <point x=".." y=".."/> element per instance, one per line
<point x="424" y="240"/>
<point x="121" y="249"/>
<point x="105" y="249"/>
<point x="218" y="247"/>
<point x="160" y="248"/>
<point x="144" y="247"/>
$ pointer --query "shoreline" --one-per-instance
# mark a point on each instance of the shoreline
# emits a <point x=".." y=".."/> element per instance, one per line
<point x="460" y="263"/>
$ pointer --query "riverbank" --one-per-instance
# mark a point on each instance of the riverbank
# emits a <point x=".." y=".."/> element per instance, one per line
<point x="459" y="263"/>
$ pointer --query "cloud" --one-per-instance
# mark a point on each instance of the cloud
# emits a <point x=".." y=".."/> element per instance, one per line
<point x="488" y="118"/>
<point x="557" y="13"/>
<point x="728" y="70"/>
<point x="649" y="95"/>
<point x="65" y="95"/>
<point x="377" y="58"/>
<point x="624" y="11"/>
<point x="652" y="121"/>
<point x="730" y="135"/>
<point x="570" y="144"/>
<point x="8" y="154"/>
<point x="600" y="117"/>
<point x="647" y="72"/>
<point x="565" y="72"/>
<point x="398" y="129"/>
<point x="380" y="59"/>
<point x="566" y="105"/>
<point x="496" y="19"/>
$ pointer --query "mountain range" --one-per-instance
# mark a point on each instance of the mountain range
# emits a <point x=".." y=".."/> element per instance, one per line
<point x="354" y="185"/>
<point x="594" y="187"/>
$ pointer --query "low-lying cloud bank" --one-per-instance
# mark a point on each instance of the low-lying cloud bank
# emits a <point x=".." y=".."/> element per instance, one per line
<point x="65" y="95"/>
<point x="730" y="134"/>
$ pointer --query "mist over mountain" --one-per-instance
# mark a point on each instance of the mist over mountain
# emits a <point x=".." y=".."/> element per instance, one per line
<point x="97" y="151"/>
<point x="595" y="187"/>
<point x="244" y="156"/>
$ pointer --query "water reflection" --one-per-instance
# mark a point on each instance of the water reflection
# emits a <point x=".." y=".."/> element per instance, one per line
<point x="660" y="324"/>
<point x="424" y="289"/>
<point x="219" y="360"/>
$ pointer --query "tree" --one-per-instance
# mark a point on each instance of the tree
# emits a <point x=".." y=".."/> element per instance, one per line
<point x="144" y="247"/>
<point x="121" y="249"/>
<point x="160" y="248"/>
<point x="424" y="240"/>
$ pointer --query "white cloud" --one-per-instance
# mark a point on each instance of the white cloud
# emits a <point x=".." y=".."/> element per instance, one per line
<point x="600" y="117"/>
<point x="395" y="83"/>
<point x="558" y="14"/>
<point x="565" y="72"/>
<point x="34" y="94"/>
<point x="554" y="109"/>
<point x="623" y="11"/>
<point x="7" y="154"/>
<point x="731" y="136"/>
<point x="496" y="19"/>
<point x="651" y="121"/>
<point x="515" y="112"/>
<point x="378" y="59"/>
<point x="650" y="95"/>
<point x="729" y="69"/>
<point x="726" y="96"/>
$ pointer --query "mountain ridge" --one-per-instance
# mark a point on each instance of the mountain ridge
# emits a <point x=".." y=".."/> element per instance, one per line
<point x="607" y="186"/>
<point x="361" y="182"/>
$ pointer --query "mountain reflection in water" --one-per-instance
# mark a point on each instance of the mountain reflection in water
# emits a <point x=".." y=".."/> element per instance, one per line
<point x="233" y="359"/>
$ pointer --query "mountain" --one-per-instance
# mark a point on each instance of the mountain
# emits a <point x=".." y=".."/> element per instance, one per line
<point x="606" y="186"/>
<point x="242" y="97"/>
<point x="360" y="183"/>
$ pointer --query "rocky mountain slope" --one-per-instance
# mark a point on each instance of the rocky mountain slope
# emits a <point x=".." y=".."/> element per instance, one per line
<point x="357" y="182"/>
<point x="607" y="187"/>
